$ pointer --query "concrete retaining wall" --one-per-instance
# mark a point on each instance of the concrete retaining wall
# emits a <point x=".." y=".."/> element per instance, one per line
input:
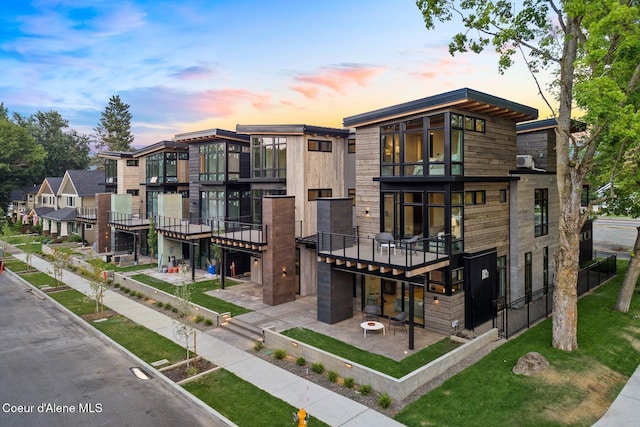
<point x="150" y="291"/>
<point x="396" y="388"/>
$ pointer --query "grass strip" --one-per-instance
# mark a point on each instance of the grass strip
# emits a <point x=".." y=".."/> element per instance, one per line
<point x="198" y="293"/>
<point x="242" y="402"/>
<point x="40" y="280"/>
<point x="75" y="301"/>
<point x="396" y="369"/>
<point x="576" y="389"/>
<point x="144" y="343"/>
<point x="16" y="265"/>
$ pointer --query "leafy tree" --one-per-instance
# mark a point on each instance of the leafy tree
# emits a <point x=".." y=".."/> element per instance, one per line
<point x="21" y="159"/>
<point x="113" y="133"/>
<point x="97" y="282"/>
<point x="66" y="149"/>
<point x="592" y="46"/>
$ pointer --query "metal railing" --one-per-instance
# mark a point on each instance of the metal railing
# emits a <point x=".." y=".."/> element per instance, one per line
<point x="88" y="213"/>
<point x="524" y="312"/>
<point x="394" y="252"/>
<point x="239" y="231"/>
<point x="127" y="219"/>
<point x="183" y="226"/>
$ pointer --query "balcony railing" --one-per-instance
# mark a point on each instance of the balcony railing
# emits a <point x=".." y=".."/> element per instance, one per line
<point x="184" y="227"/>
<point x="86" y="213"/>
<point x="128" y="220"/>
<point x="234" y="232"/>
<point x="412" y="258"/>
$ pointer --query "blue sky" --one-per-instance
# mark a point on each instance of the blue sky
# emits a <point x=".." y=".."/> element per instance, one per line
<point x="195" y="64"/>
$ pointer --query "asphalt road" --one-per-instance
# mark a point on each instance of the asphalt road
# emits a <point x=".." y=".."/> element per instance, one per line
<point x="615" y="235"/>
<point x="53" y="372"/>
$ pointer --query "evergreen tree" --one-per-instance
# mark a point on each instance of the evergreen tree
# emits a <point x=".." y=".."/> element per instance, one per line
<point x="113" y="133"/>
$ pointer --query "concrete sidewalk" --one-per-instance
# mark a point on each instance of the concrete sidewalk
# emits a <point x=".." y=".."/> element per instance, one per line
<point x="321" y="403"/>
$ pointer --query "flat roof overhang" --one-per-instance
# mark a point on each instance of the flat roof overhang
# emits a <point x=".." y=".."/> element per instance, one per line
<point x="86" y="220"/>
<point x="465" y="99"/>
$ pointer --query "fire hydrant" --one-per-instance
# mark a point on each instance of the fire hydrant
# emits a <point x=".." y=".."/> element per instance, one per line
<point x="301" y="417"/>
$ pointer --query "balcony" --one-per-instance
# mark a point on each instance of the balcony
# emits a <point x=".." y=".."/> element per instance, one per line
<point x="395" y="258"/>
<point x="87" y="215"/>
<point x="183" y="228"/>
<point x="240" y="235"/>
<point x="127" y="221"/>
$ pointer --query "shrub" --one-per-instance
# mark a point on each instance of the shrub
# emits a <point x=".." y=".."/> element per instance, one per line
<point x="279" y="354"/>
<point x="168" y="306"/>
<point x="74" y="238"/>
<point x="159" y="304"/>
<point x="384" y="401"/>
<point x="349" y="382"/>
<point x="208" y="322"/>
<point x="332" y="376"/>
<point x="301" y="361"/>
<point x="317" y="368"/>
<point x="199" y="318"/>
<point x="364" y="389"/>
<point x="116" y="285"/>
<point x="126" y="290"/>
<point x="259" y="345"/>
<point x="139" y="295"/>
<point x="175" y="310"/>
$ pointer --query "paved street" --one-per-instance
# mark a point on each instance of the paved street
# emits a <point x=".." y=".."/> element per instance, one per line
<point x="49" y="363"/>
<point x="615" y="235"/>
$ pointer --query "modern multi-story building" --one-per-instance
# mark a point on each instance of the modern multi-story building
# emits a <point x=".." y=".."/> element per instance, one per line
<point x="464" y="223"/>
<point x="442" y="208"/>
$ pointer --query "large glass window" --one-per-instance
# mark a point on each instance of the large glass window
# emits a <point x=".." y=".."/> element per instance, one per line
<point x="171" y="167"/>
<point x="256" y="202"/>
<point x="390" y="150"/>
<point x="413" y="214"/>
<point x="212" y="204"/>
<point x="269" y="158"/>
<point x="155" y="168"/>
<point x="457" y="222"/>
<point x="233" y="165"/>
<point x="110" y="171"/>
<point x="541" y="212"/>
<point x="212" y="162"/>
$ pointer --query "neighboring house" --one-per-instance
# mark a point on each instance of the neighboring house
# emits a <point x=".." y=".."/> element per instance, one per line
<point x="47" y="202"/>
<point x="75" y="191"/>
<point x="23" y="201"/>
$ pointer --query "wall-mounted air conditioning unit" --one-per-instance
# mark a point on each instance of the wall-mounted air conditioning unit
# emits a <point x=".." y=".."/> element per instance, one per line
<point x="524" y="161"/>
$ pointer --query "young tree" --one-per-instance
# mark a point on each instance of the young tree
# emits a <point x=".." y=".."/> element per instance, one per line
<point x="184" y="327"/>
<point x="97" y="282"/>
<point x="587" y="44"/>
<point x="152" y="238"/>
<point x="113" y="133"/>
<point x="60" y="260"/>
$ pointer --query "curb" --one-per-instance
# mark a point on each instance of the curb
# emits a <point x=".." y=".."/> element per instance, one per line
<point x="166" y="382"/>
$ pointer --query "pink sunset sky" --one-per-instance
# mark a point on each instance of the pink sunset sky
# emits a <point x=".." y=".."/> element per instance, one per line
<point x="194" y="65"/>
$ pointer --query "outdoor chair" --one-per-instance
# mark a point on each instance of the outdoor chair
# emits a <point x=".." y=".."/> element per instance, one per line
<point x="409" y="244"/>
<point x="398" y="321"/>
<point x="370" y="312"/>
<point x="385" y="240"/>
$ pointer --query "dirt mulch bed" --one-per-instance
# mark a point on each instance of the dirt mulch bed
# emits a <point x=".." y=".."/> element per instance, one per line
<point x="56" y="289"/>
<point x="105" y="314"/>
<point x="181" y="372"/>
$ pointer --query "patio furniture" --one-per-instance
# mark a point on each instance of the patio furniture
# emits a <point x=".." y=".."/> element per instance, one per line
<point x="409" y="244"/>
<point x="370" y="312"/>
<point x="385" y="240"/>
<point x="397" y="321"/>
<point x="372" y="326"/>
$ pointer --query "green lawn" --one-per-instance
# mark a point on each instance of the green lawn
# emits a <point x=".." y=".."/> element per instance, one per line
<point x="242" y="402"/>
<point x="198" y="295"/>
<point x="568" y="393"/>
<point x="396" y="369"/>
<point x="143" y="342"/>
<point x="75" y="301"/>
<point x="40" y="280"/>
<point x="15" y="265"/>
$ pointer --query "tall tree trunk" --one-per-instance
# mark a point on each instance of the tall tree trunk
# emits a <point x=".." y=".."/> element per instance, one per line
<point x="630" y="278"/>
<point x="569" y="174"/>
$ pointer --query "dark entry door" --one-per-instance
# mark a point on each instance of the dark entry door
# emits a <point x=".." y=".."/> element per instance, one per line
<point x="479" y="286"/>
